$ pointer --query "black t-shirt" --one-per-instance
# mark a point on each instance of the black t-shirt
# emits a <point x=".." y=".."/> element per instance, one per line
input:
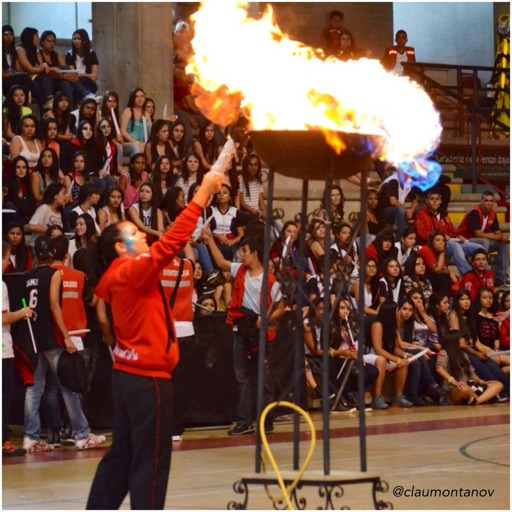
<point x="89" y="60"/>
<point x="474" y="222"/>
<point x="390" y="189"/>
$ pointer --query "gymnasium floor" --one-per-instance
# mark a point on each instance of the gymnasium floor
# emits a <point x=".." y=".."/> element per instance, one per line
<point x="446" y="451"/>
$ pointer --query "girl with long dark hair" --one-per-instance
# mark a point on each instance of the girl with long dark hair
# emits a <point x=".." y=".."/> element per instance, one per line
<point x="130" y="181"/>
<point x="85" y="234"/>
<point x="112" y="212"/>
<point x="337" y="205"/>
<point x="173" y="203"/>
<point x="110" y="158"/>
<point x="15" y="107"/>
<point x="19" y="188"/>
<point x="26" y="141"/>
<point x="162" y="176"/>
<point x="192" y="172"/>
<point x="461" y="383"/>
<point x="41" y="83"/>
<point x="375" y="222"/>
<point x="109" y="101"/>
<point x="21" y="256"/>
<point x="371" y="288"/>
<point x="134" y="125"/>
<point x="46" y="172"/>
<point x="415" y="276"/>
<point x="438" y="308"/>
<point x="61" y="112"/>
<point x="49" y="131"/>
<point x="177" y="141"/>
<point x="146" y="214"/>
<point x="82" y="58"/>
<point x="206" y="146"/>
<point x="158" y="143"/>
<point x="12" y="73"/>
<point x="390" y="284"/>
<point x="79" y="177"/>
<point x="251" y="187"/>
<point x="382" y="248"/>
<point x="86" y="112"/>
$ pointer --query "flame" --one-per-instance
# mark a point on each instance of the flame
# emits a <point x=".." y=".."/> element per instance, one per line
<point x="248" y="65"/>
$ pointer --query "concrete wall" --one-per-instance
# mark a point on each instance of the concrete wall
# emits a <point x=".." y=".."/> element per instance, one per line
<point x="451" y="33"/>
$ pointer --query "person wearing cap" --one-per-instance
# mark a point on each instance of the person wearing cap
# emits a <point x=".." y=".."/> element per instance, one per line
<point x="146" y="354"/>
<point x="41" y="288"/>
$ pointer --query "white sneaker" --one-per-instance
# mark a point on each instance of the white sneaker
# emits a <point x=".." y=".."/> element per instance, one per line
<point x="91" y="441"/>
<point x="177" y="439"/>
<point x="36" y="445"/>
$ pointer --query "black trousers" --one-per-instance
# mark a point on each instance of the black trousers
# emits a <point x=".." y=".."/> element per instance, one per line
<point x="139" y="460"/>
<point x="7" y="395"/>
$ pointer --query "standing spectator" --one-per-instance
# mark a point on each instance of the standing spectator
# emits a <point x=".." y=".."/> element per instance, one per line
<point x="481" y="226"/>
<point x="431" y="217"/>
<point x="11" y="69"/>
<point x="332" y="33"/>
<point x="82" y="58"/>
<point x="247" y="289"/>
<point x="8" y="317"/>
<point x="42" y="287"/>
<point x="393" y="197"/>
<point x="395" y="55"/>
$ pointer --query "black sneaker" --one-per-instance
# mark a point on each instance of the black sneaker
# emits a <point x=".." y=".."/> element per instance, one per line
<point x="241" y="430"/>
<point x="269" y="427"/>
<point x="54" y="439"/>
<point x="214" y="277"/>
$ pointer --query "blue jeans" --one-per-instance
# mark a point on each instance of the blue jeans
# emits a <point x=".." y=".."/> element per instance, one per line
<point x="203" y="255"/>
<point x="503" y="255"/>
<point x="80" y="427"/>
<point x="459" y="252"/>
<point x="395" y="215"/>
<point x="489" y="370"/>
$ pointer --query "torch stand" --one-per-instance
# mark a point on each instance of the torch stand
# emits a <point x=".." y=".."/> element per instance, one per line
<point x="302" y="155"/>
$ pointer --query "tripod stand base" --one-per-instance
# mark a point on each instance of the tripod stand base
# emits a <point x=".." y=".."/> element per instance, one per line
<point x="330" y="489"/>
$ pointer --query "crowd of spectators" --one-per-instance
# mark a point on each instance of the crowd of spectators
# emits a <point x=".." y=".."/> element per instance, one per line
<point x="84" y="163"/>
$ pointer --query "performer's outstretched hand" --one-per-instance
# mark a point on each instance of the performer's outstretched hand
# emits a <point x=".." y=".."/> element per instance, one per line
<point x="210" y="185"/>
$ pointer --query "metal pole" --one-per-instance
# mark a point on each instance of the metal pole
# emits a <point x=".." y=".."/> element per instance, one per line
<point x="264" y="318"/>
<point x="361" y="341"/>
<point x="326" y="322"/>
<point x="473" y="153"/>
<point x="299" y="335"/>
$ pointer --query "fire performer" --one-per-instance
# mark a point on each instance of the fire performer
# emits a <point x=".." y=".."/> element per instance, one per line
<point x="146" y="353"/>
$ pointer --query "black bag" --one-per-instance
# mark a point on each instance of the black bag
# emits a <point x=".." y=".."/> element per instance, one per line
<point x="71" y="371"/>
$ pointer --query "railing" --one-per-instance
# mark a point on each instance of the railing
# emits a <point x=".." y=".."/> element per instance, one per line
<point x="473" y="107"/>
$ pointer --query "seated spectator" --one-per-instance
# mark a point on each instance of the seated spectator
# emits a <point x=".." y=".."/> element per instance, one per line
<point x="15" y="107"/>
<point x="251" y="187"/>
<point x="88" y="199"/>
<point x="145" y="213"/>
<point x="382" y="248"/>
<point x="481" y="226"/>
<point x="434" y="255"/>
<point x="405" y="246"/>
<point x="50" y="212"/>
<point x="505" y="323"/>
<point x="345" y="249"/>
<point x="430" y="217"/>
<point x="487" y="327"/>
<point x="54" y="230"/>
<point x="206" y="146"/>
<point x="226" y="223"/>
<point x="479" y="276"/>
<point x="47" y="55"/>
<point x="285" y="251"/>
<point x="172" y="204"/>
<point x="459" y="378"/>
<point x="162" y="177"/>
<point x="223" y="291"/>
<point x="315" y="245"/>
<point x="392" y="198"/>
<point x="111" y="156"/>
<point x="26" y="141"/>
<point x="332" y="33"/>
<point x="61" y="113"/>
<point x="484" y="365"/>
<point x="371" y="289"/>
<point x="112" y="212"/>
<point x="149" y="110"/>
<point x="78" y="178"/>
<point x="375" y="222"/>
<point x="41" y="84"/>
<point x="131" y="180"/>
<point x="134" y="124"/>
<point x="19" y="188"/>
<point x="82" y="58"/>
<point x="109" y="101"/>
<point x="86" y="234"/>
<point x="395" y="55"/>
<point x="158" y="143"/>
<point x="46" y="172"/>
<point x="337" y="205"/>
<point x="177" y="140"/>
<point x="391" y="288"/>
<point x="20" y="255"/>
<point x="415" y="276"/>
<point x="192" y="173"/>
<point x="384" y="341"/>
<point x="12" y="73"/>
<point x="438" y="308"/>
<point x="86" y="112"/>
<point x="49" y="132"/>
<point x="206" y="305"/>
